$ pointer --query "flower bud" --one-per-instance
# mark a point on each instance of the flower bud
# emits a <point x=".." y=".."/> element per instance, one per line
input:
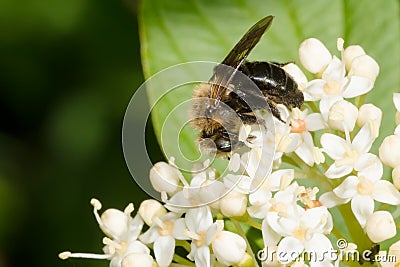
<point x="371" y="114"/>
<point x="342" y="114"/>
<point x="229" y="248"/>
<point x="233" y="204"/>
<point x="389" y="151"/>
<point x="314" y="56"/>
<point x="138" y="260"/>
<point x="396" y="177"/>
<point x="164" y="177"/>
<point x="297" y="75"/>
<point x="151" y="209"/>
<point x="364" y="66"/>
<point x="350" y="53"/>
<point x="380" y="226"/>
<point x="114" y="222"/>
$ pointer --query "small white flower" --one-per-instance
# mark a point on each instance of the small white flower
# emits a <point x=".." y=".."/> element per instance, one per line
<point x="363" y="189"/>
<point x="304" y="232"/>
<point x="163" y="233"/>
<point x="345" y="153"/>
<point x="389" y="151"/>
<point x="372" y="115"/>
<point x="380" y="226"/>
<point x="122" y="232"/>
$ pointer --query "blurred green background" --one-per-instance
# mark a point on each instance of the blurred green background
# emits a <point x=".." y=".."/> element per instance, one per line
<point x="67" y="72"/>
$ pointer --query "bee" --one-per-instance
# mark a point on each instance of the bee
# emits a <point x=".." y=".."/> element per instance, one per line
<point x="227" y="101"/>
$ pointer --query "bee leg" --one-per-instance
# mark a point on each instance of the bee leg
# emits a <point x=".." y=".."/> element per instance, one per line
<point x="275" y="111"/>
<point x="247" y="118"/>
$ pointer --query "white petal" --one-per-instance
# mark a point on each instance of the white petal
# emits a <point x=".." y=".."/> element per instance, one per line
<point x="229" y="248"/>
<point x="326" y="103"/>
<point x="312" y="217"/>
<point x="315" y="122"/>
<point x="369" y="166"/>
<point x="319" y="244"/>
<point x="281" y="225"/>
<point x="150" y="235"/>
<point x="164" y="249"/>
<point x="280" y="179"/>
<point x="314" y="90"/>
<point x="271" y="238"/>
<point x="385" y="192"/>
<point x="305" y="152"/>
<point x="362" y="142"/>
<point x="362" y="207"/>
<point x="396" y="100"/>
<point x="334" y="172"/>
<point x="333" y="145"/>
<point x="348" y="188"/>
<point x="364" y="66"/>
<point x="350" y="53"/>
<point x="137" y="260"/>
<point x="289" y="249"/>
<point x="330" y="200"/>
<point x="198" y="219"/>
<point x="335" y="71"/>
<point x="202" y="257"/>
<point x="179" y="229"/>
<point x="357" y="86"/>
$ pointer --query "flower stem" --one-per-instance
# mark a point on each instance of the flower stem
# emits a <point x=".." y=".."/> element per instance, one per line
<point x="254" y="224"/>
<point x="242" y="234"/>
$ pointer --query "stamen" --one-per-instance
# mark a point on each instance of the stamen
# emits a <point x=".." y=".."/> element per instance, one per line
<point x="66" y="255"/>
<point x="128" y="210"/>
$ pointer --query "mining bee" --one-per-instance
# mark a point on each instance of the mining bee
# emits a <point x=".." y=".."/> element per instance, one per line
<point x="230" y="101"/>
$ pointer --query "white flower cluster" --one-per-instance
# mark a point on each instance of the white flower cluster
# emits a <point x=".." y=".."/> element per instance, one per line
<point x="328" y="143"/>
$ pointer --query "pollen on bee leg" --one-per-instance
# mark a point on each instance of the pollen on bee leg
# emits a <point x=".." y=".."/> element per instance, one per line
<point x="298" y="126"/>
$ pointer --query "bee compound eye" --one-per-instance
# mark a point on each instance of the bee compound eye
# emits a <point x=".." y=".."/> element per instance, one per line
<point x="223" y="145"/>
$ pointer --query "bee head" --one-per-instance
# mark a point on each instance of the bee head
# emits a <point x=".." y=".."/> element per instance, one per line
<point x="217" y="142"/>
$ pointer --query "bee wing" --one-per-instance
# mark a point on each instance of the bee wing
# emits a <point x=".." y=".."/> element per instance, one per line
<point x="243" y="48"/>
<point x="237" y="56"/>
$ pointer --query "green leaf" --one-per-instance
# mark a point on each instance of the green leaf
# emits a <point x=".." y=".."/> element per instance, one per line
<point x="174" y="32"/>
